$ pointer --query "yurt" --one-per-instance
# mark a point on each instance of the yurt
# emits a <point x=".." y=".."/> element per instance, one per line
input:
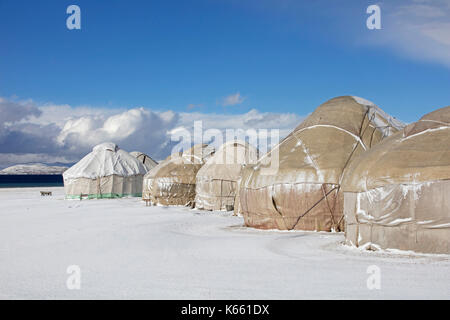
<point x="172" y="181"/>
<point x="217" y="181"/>
<point x="397" y="195"/>
<point x="106" y="172"/>
<point x="297" y="184"/>
<point x="148" y="162"/>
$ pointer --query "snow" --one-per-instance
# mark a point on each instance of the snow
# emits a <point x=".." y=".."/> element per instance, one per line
<point x="438" y="226"/>
<point x="364" y="102"/>
<point x="106" y="159"/>
<point x="399" y="221"/>
<point x="358" y="139"/>
<point x="37" y="168"/>
<point x="446" y="127"/>
<point x="379" y="117"/>
<point x="126" y="250"/>
<point x="148" y="162"/>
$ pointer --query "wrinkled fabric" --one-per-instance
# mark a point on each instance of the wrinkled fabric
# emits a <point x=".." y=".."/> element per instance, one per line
<point x="303" y="192"/>
<point x="106" y="159"/>
<point x="217" y="180"/>
<point x="172" y="182"/>
<point x="148" y="162"/>
<point x="112" y="186"/>
<point x="106" y="172"/>
<point x="397" y="195"/>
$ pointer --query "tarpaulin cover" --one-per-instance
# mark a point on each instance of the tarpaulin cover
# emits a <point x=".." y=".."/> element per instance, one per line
<point x="106" y="172"/>
<point x="148" y="162"/>
<point x="217" y="180"/>
<point x="172" y="182"/>
<point x="397" y="195"/>
<point x="297" y="184"/>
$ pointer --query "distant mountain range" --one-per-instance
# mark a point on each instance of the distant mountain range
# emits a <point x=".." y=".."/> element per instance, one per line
<point x="35" y="168"/>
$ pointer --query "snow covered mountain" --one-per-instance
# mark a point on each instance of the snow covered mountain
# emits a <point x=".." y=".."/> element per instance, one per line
<point x="36" y="168"/>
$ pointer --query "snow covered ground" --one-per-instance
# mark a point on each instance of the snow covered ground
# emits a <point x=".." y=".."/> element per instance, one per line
<point x="127" y="250"/>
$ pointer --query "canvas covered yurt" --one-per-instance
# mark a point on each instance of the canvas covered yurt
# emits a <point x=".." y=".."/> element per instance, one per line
<point x="148" y="162"/>
<point x="297" y="184"/>
<point x="172" y="181"/>
<point x="106" y="172"/>
<point x="397" y="195"/>
<point x="217" y="181"/>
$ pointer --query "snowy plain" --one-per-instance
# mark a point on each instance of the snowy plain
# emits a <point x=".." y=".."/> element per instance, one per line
<point x="128" y="251"/>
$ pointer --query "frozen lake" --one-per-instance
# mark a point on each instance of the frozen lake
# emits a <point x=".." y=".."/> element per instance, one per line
<point x="126" y="250"/>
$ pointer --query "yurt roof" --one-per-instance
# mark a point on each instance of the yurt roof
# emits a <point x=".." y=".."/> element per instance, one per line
<point x="183" y="167"/>
<point x="144" y="158"/>
<point x="106" y="159"/>
<point x="319" y="149"/>
<point x="227" y="162"/>
<point x="198" y="154"/>
<point x="346" y="112"/>
<point x="419" y="153"/>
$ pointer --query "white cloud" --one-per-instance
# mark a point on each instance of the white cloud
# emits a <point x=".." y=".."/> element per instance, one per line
<point x="240" y="123"/>
<point x="12" y="112"/>
<point x="134" y="129"/>
<point x="233" y="99"/>
<point x="63" y="134"/>
<point x="250" y="120"/>
<point x="416" y="29"/>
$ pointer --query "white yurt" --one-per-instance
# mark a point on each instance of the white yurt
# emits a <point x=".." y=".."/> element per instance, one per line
<point x="148" y="162"/>
<point x="218" y="180"/>
<point x="106" y="172"/>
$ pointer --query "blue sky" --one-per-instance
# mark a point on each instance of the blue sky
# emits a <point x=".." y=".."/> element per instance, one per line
<point x="170" y="54"/>
<point x="282" y="56"/>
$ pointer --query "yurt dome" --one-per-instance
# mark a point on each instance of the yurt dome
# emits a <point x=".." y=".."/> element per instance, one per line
<point x="218" y="180"/>
<point x="397" y="195"/>
<point x="148" y="162"/>
<point x="106" y="172"/>
<point x="297" y="184"/>
<point x="172" y="181"/>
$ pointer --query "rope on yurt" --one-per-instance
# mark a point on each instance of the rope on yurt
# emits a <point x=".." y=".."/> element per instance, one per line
<point x="328" y="205"/>
<point x="389" y="124"/>
<point x="338" y="186"/>
<point x="362" y="130"/>
<point x="334" y="225"/>
<point x="309" y="210"/>
<point x="274" y="203"/>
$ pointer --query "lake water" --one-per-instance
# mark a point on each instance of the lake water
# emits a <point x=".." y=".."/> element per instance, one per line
<point x="23" y="181"/>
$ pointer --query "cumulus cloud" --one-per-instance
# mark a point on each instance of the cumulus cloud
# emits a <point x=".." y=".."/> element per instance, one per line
<point x="12" y="112"/>
<point x="242" y="126"/>
<point x="233" y="99"/>
<point x="135" y="129"/>
<point x="63" y="134"/>
<point x="253" y="119"/>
